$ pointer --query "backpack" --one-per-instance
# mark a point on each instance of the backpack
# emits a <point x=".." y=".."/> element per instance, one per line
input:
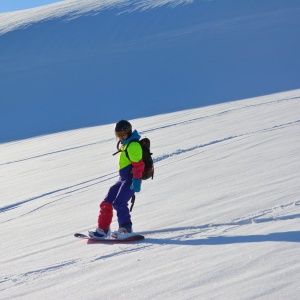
<point x="147" y="158"/>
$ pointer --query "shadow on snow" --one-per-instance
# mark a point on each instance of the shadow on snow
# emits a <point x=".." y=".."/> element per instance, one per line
<point x="289" y="236"/>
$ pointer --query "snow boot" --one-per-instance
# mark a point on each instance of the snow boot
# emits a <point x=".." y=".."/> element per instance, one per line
<point x="123" y="232"/>
<point x="99" y="234"/>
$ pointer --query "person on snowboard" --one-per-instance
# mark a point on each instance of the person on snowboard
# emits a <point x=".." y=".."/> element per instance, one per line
<point x="130" y="174"/>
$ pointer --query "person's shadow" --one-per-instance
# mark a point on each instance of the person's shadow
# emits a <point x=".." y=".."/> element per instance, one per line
<point x="289" y="236"/>
<point x="187" y="234"/>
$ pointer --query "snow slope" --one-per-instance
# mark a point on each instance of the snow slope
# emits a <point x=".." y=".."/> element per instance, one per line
<point x="221" y="217"/>
<point x="78" y="63"/>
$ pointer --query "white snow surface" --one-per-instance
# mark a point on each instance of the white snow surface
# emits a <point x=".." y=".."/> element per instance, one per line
<point x="221" y="217"/>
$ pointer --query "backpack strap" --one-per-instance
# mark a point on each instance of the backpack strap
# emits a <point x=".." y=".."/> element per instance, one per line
<point x="119" y="149"/>
<point x="126" y="151"/>
<point x="132" y="202"/>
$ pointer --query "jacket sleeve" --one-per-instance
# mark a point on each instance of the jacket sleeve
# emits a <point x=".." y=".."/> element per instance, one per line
<point x="138" y="169"/>
<point x="135" y="154"/>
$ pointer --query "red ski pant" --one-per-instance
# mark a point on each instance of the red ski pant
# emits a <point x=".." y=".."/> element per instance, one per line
<point x="118" y="197"/>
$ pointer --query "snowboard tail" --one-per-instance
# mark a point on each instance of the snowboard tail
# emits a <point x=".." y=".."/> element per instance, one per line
<point x="132" y="238"/>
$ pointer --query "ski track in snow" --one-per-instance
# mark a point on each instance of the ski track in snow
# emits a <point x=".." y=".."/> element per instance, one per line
<point x="130" y="249"/>
<point x="244" y="135"/>
<point x="229" y="111"/>
<point x="188" y="235"/>
<point x="207" y="234"/>
<point x="54" y="152"/>
<point x="44" y="274"/>
<point x="66" y="191"/>
<point x="31" y="276"/>
<point x="296" y="122"/>
<point x="69" y="190"/>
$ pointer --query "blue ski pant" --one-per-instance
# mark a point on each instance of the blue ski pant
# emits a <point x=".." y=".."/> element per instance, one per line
<point x="117" y="197"/>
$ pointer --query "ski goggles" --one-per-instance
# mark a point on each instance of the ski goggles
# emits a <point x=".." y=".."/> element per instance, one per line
<point x="121" y="134"/>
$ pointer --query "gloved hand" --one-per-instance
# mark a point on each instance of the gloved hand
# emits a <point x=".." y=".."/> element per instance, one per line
<point x="136" y="185"/>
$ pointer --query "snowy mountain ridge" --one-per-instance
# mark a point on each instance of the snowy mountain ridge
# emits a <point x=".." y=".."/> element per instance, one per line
<point x="76" y="64"/>
<point x="72" y="9"/>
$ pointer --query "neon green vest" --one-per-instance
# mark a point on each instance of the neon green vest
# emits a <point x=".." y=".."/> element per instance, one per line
<point x="135" y="153"/>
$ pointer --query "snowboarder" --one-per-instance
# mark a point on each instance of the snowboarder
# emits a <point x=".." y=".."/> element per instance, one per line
<point x="130" y="174"/>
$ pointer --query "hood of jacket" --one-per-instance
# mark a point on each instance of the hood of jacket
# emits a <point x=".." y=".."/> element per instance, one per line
<point x="134" y="136"/>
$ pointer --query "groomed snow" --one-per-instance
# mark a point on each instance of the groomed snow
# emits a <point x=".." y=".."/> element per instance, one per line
<point x="221" y="217"/>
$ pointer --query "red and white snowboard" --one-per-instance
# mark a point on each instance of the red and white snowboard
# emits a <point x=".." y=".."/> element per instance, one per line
<point x="131" y="238"/>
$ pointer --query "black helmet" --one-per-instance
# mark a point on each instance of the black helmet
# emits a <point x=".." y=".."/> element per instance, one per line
<point x="124" y="125"/>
